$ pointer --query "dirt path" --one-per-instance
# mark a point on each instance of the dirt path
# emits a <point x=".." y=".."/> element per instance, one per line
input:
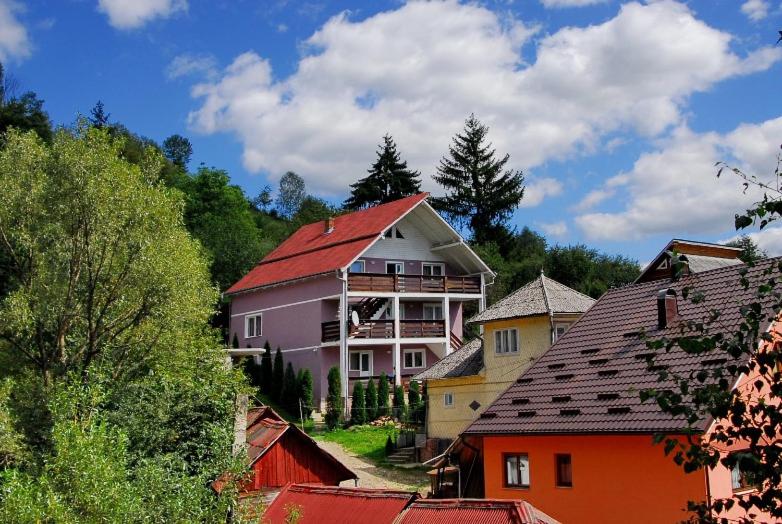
<point x="372" y="476"/>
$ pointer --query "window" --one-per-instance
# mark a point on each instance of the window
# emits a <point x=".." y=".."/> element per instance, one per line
<point x="389" y="312"/>
<point x="415" y="358"/>
<point x="433" y="311"/>
<point x="517" y="471"/>
<point x="253" y="326"/>
<point x="357" y="267"/>
<point x="448" y="400"/>
<point x="564" y="471"/>
<point x="393" y="232"/>
<point x="506" y="341"/>
<point x="559" y="330"/>
<point x="741" y="480"/>
<point x="361" y="361"/>
<point x="395" y="268"/>
<point x="432" y="270"/>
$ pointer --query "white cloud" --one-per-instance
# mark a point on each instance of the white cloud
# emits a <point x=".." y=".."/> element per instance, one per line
<point x="418" y="71"/>
<point x="554" y="229"/>
<point x="593" y="198"/>
<point x="188" y="64"/>
<point x="674" y="190"/>
<point x="125" y="14"/>
<point x="538" y="189"/>
<point x="755" y="10"/>
<point x="14" y="41"/>
<point x="570" y="3"/>
<point x="768" y="239"/>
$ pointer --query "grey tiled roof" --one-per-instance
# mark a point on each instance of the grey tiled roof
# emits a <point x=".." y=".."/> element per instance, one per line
<point x="589" y="380"/>
<point x="700" y="263"/>
<point x="539" y="297"/>
<point x="467" y="360"/>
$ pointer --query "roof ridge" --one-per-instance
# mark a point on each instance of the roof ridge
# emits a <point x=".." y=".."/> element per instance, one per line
<point x="314" y="249"/>
<point x="568" y="288"/>
<point x="542" y="278"/>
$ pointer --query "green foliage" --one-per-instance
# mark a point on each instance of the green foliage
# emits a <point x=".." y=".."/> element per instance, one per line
<point x="267" y="371"/>
<point x="24" y="113"/>
<point x="178" y="150"/>
<point x="390" y="448"/>
<point x="358" y="414"/>
<point x="278" y="376"/>
<point x="312" y="210"/>
<point x="290" y="194"/>
<point x="304" y="387"/>
<point x="365" y="441"/>
<point x="750" y="251"/>
<point x="389" y="179"/>
<point x="480" y="192"/>
<point x="290" y="392"/>
<point x="382" y="396"/>
<point x="252" y="371"/>
<point x="400" y="408"/>
<point x="371" y="400"/>
<point x="334" y="399"/>
<point x="98" y="116"/>
<point x="415" y="403"/>
<point x="12" y="448"/>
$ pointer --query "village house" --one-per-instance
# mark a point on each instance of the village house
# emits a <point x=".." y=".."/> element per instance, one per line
<point x="571" y="435"/>
<point x="516" y="331"/>
<point x="377" y="290"/>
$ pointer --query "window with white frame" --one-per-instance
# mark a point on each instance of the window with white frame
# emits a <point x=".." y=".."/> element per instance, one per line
<point x="357" y="267"/>
<point x="395" y="268"/>
<point x="360" y="361"/>
<point x="559" y="330"/>
<point x="253" y="325"/>
<point x="448" y="400"/>
<point x="414" y="358"/>
<point x="433" y="311"/>
<point x="390" y="311"/>
<point x="433" y="270"/>
<point x="516" y="470"/>
<point x="506" y="341"/>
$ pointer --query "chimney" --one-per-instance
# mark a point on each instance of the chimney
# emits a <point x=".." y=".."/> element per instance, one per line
<point x="329" y="225"/>
<point x="240" y="424"/>
<point x="667" y="308"/>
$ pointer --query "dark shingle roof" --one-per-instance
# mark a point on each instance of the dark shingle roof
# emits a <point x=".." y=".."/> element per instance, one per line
<point x="467" y="360"/>
<point x="589" y="381"/>
<point x="539" y="297"/>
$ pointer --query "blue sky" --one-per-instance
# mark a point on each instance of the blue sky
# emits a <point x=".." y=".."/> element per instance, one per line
<point x="616" y="111"/>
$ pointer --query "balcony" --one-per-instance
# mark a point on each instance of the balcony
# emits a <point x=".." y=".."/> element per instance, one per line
<point x="384" y="329"/>
<point x="389" y="283"/>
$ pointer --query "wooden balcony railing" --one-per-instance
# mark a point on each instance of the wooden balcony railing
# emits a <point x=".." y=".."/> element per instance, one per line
<point x="384" y="329"/>
<point x="421" y="328"/>
<point x="413" y="283"/>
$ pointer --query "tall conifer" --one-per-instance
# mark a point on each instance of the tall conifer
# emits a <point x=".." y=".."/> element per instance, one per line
<point x="278" y="375"/>
<point x="266" y="369"/>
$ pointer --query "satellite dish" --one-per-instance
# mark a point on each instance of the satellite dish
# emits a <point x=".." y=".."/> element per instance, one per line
<point x="354" y="318"/>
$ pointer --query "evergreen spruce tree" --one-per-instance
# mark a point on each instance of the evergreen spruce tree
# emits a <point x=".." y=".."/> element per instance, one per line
<point x="334" y="399"/>
<point x="304" y="383"/>
<point x="290" y="394"/>
<point x="382" y="396"/>
<point x="266" y="369"/>
<point x="371" y="400"/>
<point x="358" y="414"/>
<point x="480" y="192"/>
<point x="389" y="179"/>
<point x="414" y="401"/>
<point x="400" y="409"/>
<point x="235" y="342"/>
<point x="278" y="375"/>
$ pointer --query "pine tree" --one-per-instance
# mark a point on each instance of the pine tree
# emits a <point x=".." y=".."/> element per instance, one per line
<point x="371" y="400"/>
<point x="278" y="375"/>
<point x="480" y="192"/>
<point x="382" y="396"/>
<point x="389" y="179"/>
<point x="290" y="393"/>
<point x="98" y="116"/>
<point x="304" y="383"/>
<point x="400" y="409"/>
<point x="358" y="414"/>
<point x="414" y="401"/>
<point x="334" y="399"/>
<point x="266" y="369"/>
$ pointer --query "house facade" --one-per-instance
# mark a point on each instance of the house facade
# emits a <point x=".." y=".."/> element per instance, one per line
<point x="516" y="331"/>
<point x="377" y="290"/>
<point x="571" y="435"/>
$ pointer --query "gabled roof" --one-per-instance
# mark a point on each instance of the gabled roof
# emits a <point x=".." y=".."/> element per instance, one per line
<point x="465" y="361"/>
<point x="337" y="505"/>
<point x="310" y="251"/>
<point x="485" y="511"/>
<point x="699" y="256"/>
<point x="542" y="296"/>
<point x="589" y="380"/>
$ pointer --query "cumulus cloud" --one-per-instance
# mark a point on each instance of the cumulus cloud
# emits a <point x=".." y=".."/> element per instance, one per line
<point x="674" y="190"/>
<point x="14" y="41"/>
<point x="538" y="189"/>
<point x="188" y="64"/>
<point x="416" y="72"/>
<point x="124" y="14"/>
<point x="768" y="239"/>
<point x="570" y="3"/>
<point x="554" y="229"/>
<point x="755" y="10"/>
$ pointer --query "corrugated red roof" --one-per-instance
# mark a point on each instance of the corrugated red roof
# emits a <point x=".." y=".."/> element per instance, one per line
<point x="311" y="251"/>
<point x="485" y="511"/>
<point x="337" y="505"/>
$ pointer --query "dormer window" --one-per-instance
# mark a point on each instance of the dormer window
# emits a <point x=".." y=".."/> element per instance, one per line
<point x="393" y="232"/>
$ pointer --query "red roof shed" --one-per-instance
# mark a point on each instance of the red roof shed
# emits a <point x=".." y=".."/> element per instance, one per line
<point x="335" y="505"/>
<point x="485" y="511"/>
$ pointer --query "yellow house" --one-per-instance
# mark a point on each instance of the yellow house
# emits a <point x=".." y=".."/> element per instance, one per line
<point x="516" y="331"/>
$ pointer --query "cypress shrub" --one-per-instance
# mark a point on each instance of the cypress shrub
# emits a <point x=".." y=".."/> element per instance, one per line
<point x="400" y="409"/>
<point x="414" y="402"/>
<point x="382" y="396"/>
<point x="290" y="394"/>
<point x="358" y="413"/>
<point x="334" y="399"/>
<point x="389" y="446"/>
<point x="266" y="369"/>
<point x="371" y="400"/>
<point x="278" y="375"/>
<point x="304" y="383"/>
<point x="235" y="342"/>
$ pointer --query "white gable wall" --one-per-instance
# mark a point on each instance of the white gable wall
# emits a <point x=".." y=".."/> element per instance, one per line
<point x="415" y="246"/>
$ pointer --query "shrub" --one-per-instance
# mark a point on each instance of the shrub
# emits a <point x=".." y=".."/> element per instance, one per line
<point x="400" y="409"/>
<point x="415" y="402"/>
<point x="290" y="392"/>
<point x="266" y="369"/>
<point x="382" y="396"/>
<point x="371" y="400"/>
<point x="278" y="375"/>
<point x="358" y="414"/>
<point x="304" y="389"/>
<point x="334" y="399"/>
<point x="389" y="446"/>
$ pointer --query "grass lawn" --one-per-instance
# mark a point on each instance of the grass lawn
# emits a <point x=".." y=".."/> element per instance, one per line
<point x="368" y="442"/>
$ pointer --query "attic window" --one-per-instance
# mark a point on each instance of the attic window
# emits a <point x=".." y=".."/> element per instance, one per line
<point x="642" y="356"/>
<point x="589" y="351"/>
<point x="526" y="414"/>
<point x="608" y="372"/>
<point x="393" y="232"/>
<point x="607" y="396"/>
<point x="558" y="365"/>
<point x="524" y="380"/>
<point x="659" y="367"/>
<point x="598" y="361"/>
<point x="520" y="401"/>
<point x="569" y="412"/>
<point x="714" y="361"/>
<point x="488" y="415"/>
<point x="619" y="410"/>
<point x="566" y="376"/>
<point x="561" y="398"/>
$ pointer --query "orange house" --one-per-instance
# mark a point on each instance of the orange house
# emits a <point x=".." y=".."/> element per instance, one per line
<point x="572" y="437"/>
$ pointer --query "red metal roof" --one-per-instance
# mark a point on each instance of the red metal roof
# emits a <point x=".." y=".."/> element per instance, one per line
<point x="485" y="511"/>
<point x="337" y="505"/>
<point x="311" y="251"/>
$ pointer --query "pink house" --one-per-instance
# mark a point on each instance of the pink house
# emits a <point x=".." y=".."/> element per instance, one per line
<point x="378" y="290"/>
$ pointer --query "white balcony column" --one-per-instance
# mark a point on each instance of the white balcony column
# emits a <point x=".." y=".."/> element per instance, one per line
<point x="447" y="323"/>
<point x="482" y="301"/>
<point x="343" y="341"/>
<point x="396" y="358"/>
